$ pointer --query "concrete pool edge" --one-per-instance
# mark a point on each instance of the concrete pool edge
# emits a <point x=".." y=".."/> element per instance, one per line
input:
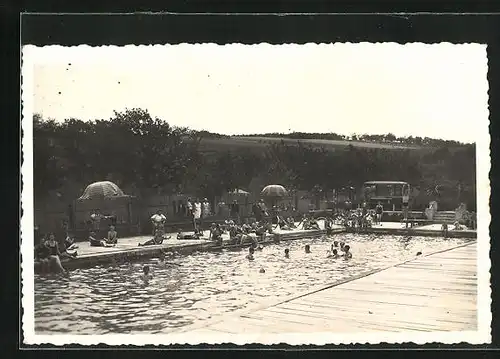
<point x="261" y="306"/>
<point x="103" y="258"/>
<point x="135" y="253"/>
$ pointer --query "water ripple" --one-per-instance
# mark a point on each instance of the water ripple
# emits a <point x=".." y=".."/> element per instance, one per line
<point x="205" y="285"/>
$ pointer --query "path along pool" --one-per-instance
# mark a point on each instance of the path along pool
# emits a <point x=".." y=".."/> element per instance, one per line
<point x="206" y="285"/>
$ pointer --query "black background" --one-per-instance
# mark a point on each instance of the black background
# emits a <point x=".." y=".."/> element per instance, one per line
<point x="221" y="27"/>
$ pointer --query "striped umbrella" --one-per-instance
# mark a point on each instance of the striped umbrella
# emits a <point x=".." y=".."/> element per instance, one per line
<point x="103" y="189"/>
<point x="274" y="190"/>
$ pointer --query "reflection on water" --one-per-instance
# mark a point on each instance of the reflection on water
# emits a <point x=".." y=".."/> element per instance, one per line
<point x="205" y="285"/>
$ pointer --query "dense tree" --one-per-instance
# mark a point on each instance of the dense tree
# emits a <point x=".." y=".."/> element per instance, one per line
<point x="141" y="153"/>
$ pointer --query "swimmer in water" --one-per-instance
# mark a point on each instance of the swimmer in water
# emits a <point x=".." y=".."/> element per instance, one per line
<point x="335" y="244"/>
<point x="287" y="253"/>
<point x="262" y="270"/>
<point x="342" y="245"/>
<point x="308" y="248"/>
<point x="146" y="274"/>
<point x="251" y="251"/>
<point x="347" y="254"/>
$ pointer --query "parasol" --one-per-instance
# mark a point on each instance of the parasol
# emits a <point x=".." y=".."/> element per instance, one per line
<point x="103" y="189"/>
<point x="274" y="190"/>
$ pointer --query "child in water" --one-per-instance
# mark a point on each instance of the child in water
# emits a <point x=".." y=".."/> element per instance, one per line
<point x="251" y="251"/>
<point x="287" y="253"/>
<point x="347" y="254"/>
<point x="146" y="275"/>
<point x="308" y="248"/>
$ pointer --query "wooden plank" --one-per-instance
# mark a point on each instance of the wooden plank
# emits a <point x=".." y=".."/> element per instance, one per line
<point x="447" y="305"/>
<point x="383" y="320"/>
<point x="387" y="312"/>
<point x="433" y="293"/>
<point x="380" y="308"/>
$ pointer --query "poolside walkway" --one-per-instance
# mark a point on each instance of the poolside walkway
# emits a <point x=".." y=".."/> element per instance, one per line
<point x="437" y="292"/>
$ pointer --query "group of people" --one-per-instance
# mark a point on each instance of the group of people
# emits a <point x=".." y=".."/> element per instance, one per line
<point x="337" y="250"/>
<point x="50" y="251"/>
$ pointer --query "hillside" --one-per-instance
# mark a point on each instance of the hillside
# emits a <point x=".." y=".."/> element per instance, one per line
<point x="257" y="144"/>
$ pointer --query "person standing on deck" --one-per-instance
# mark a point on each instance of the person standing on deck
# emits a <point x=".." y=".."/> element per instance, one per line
<point x="189" y="208"/>
<point x="406" y="200"/>
<point x="158" y="221"/>
<point x="205" y="210"/>
<point x="96" y="217"/>
<point x="379" y="209"/>
<point x="196" y="214"/>
<point x="235" y="211"/>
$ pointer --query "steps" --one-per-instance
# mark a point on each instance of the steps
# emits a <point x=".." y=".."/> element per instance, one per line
<point x="444" y="217"/>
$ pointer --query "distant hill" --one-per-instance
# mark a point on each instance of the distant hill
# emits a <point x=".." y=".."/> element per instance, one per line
<point x="213" y="142"/>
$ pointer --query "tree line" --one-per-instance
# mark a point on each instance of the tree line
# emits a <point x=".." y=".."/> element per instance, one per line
<point x="143" y="154"/>
<point x="384" y="138"/>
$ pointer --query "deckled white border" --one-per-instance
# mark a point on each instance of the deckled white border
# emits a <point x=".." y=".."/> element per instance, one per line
<point x="32" y="55"/>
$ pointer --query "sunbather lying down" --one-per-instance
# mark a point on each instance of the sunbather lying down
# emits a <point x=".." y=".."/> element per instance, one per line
<point x="196" y="235"/>
<point x="157" y="239"/>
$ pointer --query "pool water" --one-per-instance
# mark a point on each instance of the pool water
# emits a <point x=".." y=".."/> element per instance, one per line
<point x="206" y="285"/>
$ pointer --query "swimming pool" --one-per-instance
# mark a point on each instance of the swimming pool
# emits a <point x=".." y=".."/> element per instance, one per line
<point x="206" y="285"/>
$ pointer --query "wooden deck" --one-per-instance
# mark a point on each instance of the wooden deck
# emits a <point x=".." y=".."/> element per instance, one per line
<point x="432" y="293"/>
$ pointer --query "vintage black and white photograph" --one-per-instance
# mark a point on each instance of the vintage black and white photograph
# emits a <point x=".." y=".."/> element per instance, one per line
<point x="302" y="194"/>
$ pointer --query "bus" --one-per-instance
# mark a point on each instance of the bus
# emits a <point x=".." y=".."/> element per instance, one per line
<point x="388" y="193"/>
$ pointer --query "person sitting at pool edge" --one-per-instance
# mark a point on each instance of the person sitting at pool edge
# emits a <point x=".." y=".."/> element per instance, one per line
<point x="216" y="234"/>
<point x="54" y="260"/>
<point x="308" y="248"/>
<point x="95" y="242"/>
<point x="112" y="237"/>
<point x="42" y="254"/>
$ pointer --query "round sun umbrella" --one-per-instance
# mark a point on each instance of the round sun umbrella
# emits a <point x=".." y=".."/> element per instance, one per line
<point x="104" y="189"/>
<point x="274" y="190"/>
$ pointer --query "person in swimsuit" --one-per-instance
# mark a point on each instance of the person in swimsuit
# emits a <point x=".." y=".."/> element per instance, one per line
<point x="42" y="254"/>
<point x="347" y="254"/>
<point x="216" y="234"/>
<point x="333" y="253"/>
<point x="112" y="237"/>
<point x="181" y="235"/>
<point x="146" y="274"/>
<point x="158" y="221"/>
<point x="251" y="251"/>
<point x="54" y="253"/>
<point x="406" y="200"/>
<point x="379" y="209"/>
<point x="444" y="229"/>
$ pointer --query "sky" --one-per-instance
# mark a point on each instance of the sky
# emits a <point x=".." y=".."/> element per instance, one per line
<point x="437" y="91"/>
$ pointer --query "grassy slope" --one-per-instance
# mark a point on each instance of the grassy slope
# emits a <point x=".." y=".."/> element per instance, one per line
<point x="259" y="143"/>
